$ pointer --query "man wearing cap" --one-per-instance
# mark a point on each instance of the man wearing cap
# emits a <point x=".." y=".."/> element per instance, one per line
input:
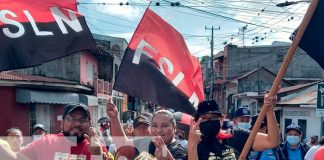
<point x="205" y="140"/>
<point x="141" y="126"/>
<point x="293" y="148"/>
<point x="104" y="124"/>
<point x="242" y="118"/>
<point x="74" y="143"/>
<point x="38" y="131"/>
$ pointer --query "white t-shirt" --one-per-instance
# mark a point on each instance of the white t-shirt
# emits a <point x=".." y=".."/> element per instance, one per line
<point x="130" y="122"/>
<point x="311" y="152"/>
<point x="183" y="143"/>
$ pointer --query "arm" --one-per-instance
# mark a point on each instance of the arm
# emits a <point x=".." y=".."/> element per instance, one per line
<point x="7" y="154"/>
<point x="193" y="140"/>
<point x="119" y="137"/>
<point x="272" y="139"/>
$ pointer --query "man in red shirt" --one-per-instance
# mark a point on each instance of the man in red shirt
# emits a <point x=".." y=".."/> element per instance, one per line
<point x="76" y="142"/>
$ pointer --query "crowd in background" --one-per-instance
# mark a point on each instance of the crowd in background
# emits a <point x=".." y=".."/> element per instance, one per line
<point x="211" y="135"/>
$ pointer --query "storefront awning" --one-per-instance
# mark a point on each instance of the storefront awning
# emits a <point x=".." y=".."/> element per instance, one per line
<point x="33" y="96"/>
<point x="88" y="100"/>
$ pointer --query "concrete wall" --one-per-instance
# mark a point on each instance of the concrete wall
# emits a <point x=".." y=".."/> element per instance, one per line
<point x="87" y="59"/>
<point x="67" y="68"/>
<point x="258" y="82"/>
<point x="241" y="60"/>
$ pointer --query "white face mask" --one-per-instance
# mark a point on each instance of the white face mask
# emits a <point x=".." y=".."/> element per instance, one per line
<point x="243" y="125"/>
<point x="35" y="137"/>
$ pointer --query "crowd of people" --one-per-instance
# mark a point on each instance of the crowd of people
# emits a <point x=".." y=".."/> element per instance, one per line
<point x="156" y="136"/>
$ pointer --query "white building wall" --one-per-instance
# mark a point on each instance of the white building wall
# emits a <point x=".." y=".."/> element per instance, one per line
<point x="302" y="113"/>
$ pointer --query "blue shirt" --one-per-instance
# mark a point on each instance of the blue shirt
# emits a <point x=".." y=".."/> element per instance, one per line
<point x="294" y="154"/>
<point x="268" y="155"/>
<point x="265" y="155"/>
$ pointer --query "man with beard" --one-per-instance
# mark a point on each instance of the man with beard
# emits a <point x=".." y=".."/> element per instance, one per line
<point x="204" y="138"/>
<point x="74" y="143"/>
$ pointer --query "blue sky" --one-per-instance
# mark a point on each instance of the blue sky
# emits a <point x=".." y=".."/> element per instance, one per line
<point x="265" y="22"/>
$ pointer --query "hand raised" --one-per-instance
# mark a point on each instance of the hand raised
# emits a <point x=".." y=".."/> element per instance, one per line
<point x="111" y="109"/>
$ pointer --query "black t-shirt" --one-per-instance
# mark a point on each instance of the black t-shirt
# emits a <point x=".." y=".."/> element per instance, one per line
<point x="146" y="145"/>
<point x="177" y="151"/>
<point x="212" y="149"/>
<point x="239" y="139"/>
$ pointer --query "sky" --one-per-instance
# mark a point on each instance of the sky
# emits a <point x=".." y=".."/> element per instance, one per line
<point x="263" y="21"/>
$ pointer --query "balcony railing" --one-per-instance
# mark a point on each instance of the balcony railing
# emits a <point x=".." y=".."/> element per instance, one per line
<point x="103" y="87"/>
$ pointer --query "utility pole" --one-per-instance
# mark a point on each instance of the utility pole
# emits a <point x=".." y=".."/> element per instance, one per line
<point x="212" y="74"/>
<point x="243" y="29"/>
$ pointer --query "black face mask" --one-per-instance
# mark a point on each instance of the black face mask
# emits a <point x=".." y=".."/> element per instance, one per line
<point x="210" y="128"/>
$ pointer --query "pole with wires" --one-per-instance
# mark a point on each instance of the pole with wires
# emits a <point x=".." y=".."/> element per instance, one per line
<point x="212" y="72"/>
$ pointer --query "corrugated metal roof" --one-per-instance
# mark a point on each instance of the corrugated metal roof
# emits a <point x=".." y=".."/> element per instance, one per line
<point x="306" y="96"/>
<point x="16" y="76"/>
<point x="292" y="88"/>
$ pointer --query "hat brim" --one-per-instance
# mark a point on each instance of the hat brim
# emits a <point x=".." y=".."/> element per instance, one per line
<point x="81" y="108"/>
<point x="137" y="124"/>
<point x="299" y="131"/>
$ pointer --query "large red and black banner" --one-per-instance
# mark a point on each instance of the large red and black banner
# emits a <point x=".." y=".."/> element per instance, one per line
<point x="158" y="67"/>
<point x="36" y="31"/>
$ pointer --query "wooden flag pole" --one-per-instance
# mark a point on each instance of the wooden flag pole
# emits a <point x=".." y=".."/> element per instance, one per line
<point x="275" y="86"/>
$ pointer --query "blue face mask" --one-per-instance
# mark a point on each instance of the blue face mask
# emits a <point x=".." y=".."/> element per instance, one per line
<point x="293" y="140"/>
<point x="243" y="125"/>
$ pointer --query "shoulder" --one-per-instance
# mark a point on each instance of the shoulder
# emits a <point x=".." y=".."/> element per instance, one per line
<point x="177" y="151"/>
<point x="239" y="135"/>
<point x="239" y="132"/>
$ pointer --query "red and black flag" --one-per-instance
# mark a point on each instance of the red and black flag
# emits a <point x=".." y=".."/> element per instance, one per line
<point x="36" y="31"/>
<point x="158" y="67"/>
<point x="312" y="40"/>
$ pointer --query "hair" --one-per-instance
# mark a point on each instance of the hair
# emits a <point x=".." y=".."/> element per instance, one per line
<point x="166" y="112"/>
<point x="13" y="129"/>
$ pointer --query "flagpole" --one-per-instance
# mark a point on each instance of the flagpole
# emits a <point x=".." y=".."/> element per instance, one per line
<point x="275" y="86"/>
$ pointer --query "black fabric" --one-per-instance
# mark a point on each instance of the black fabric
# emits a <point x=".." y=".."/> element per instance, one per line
<point x="31" y="50"/>
<point x="210" y="128"/>
<point x="207" y="107"/>
<point x="211" y="149"/>
<point x="239" y="138"/>
<point x="312" y="42"/>
<point x="177" y="151"/>
<point x="145" y="81"/>
<point x="304" y="148"/>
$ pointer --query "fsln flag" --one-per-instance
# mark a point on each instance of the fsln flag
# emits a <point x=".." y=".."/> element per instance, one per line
<point x="312" y="41"/>
<point x="36" y="31"/>
<point x="158" y="67"/>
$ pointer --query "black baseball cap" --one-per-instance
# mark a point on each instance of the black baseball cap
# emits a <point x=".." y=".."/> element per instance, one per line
<point x="103" y="120"/>
<point x="242" y="111"/>
<point x="255" y="117"/>
<point x="295" y="127"/>
<point x="141" y="120"/>
<point x="207" y="107"/>
<point x="69" y="108"/>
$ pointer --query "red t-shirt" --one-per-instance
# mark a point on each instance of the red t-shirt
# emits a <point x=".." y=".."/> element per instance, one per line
<point x="57" y="147"/>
